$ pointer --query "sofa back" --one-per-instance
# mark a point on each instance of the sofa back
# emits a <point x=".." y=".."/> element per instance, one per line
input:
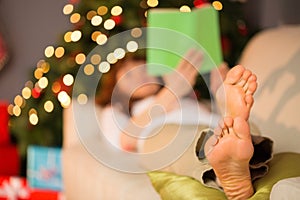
<point x="274" y="55"/>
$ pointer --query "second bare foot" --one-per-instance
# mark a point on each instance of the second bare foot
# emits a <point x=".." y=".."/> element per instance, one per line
<point x="229" y="152"/>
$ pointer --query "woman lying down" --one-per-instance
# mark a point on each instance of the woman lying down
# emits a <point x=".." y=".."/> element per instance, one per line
<point x="231" y="160"/>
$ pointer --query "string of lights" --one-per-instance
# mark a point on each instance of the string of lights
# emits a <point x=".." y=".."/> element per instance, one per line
<point x="36" y="113"/>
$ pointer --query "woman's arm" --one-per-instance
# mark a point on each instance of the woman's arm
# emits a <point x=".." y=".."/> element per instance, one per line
<point x="177" y="84"/>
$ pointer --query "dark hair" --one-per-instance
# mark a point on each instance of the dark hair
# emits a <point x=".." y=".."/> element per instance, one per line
<point x="108" y="80"/>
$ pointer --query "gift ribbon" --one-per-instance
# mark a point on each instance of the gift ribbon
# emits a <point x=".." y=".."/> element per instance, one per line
<point x="14" y="189"/>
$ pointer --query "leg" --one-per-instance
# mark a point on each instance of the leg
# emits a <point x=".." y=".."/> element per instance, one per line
<point x="230" y="149"/>
<point x="217" y="77"/>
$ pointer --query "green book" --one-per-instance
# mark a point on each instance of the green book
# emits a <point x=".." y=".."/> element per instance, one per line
<point x="171" y="33"/>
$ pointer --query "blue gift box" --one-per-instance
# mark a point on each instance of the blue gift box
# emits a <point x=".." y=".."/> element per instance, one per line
<point x="44" y="167"/>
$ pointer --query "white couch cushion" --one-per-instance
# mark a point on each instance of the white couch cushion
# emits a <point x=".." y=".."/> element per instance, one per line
<point x="286" y="189"/>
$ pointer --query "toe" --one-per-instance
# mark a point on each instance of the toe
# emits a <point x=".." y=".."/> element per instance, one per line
<point x="253" y="78"/>
<point x="244" y="79"/>
<point x="241" y="128"/>
<point x="221" y="127"/>
<point x="235" y="74"/>
<point x="218" y="131"/>
<point x="249" y="101"/>
<point x="228" y="122"/>
<point x="252" y="85"/>
<point x="247" y="73"/>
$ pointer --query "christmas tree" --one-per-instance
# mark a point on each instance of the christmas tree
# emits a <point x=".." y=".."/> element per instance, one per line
<point x="36" y="114"/>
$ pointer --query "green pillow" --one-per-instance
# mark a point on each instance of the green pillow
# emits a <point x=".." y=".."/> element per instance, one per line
<point x="172" y="187"/>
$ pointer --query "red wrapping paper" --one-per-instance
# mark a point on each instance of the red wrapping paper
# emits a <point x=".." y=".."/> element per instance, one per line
<point x="4" y="133"/>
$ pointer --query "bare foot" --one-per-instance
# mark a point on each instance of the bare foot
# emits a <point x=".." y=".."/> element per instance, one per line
<point x="229" y="153"/>
<point x="235" y="96"/>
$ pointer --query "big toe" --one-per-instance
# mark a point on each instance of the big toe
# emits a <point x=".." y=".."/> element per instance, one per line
<point x="235" y="74"/>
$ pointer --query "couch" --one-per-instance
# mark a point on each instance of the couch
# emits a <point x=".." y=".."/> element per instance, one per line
<point x="273" y="54"/>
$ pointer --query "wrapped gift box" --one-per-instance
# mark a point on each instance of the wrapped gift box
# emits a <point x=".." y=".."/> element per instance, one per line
<point x="44" y="168"/>
<point x="4" y="117"/>
<point x="17" y="188"/>
<point x="9" y="159"/>
<point x="38" y="194"/>
<point x="14" y="188"/>
<point x="9" y="155"/>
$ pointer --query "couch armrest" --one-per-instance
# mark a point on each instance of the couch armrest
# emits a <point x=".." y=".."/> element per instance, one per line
<point x="69" y="129"/>
<point x="86" y="178"/>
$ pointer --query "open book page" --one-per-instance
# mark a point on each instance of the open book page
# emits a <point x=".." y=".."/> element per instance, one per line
<point x="171" y="33"/>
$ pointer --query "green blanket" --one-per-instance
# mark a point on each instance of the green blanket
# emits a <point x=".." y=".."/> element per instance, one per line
<point x="175" y="187"/>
